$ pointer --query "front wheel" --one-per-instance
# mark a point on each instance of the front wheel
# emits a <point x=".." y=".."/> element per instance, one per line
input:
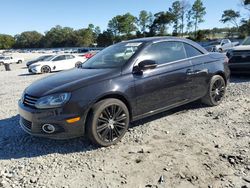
<point x="19" y="61"/>
<point x="108" y="122"/>
<point x="45" y="69"/>
<point x="216" y="91"/>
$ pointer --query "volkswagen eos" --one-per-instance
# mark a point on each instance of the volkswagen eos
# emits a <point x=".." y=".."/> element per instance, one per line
<point x="123" y="83"/>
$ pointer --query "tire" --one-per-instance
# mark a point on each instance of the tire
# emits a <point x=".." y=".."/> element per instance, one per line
<point x="111" y="117"/>
<point x="19" y="61"/>
<point x="45" y="69"/>
<point x="78" y="64"/>
<point x="216" y="91"/>
<point x="220" y="50"/>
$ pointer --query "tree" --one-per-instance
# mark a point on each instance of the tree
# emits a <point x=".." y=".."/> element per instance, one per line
<point x="189" y="21"/>
<point x="144" y="21"/>
<point x="61" y="37"/>
<point x="28" y="39"/>
<point x="203" y="34"/>
<point x="244" y="29"/>
<point x="113" y="26"/>
<point x="6" y="41"/>
<point x="159" y="26"/>
<point x="184" y="8"/>
<point x="122" y="24"/>
<point x="246" y="4"/>
<point x="86" y="37"/>
<point x="105" y="39"/>
<point x="91" y="26"/>
<point x="176" y="12"/>
<point x="126" y="24"/>
<point x="230" y="16"/>
<point x="197" y="12"/>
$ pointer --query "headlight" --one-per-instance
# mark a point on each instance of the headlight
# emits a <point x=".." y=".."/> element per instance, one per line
<point x="22" y="97"/>
<point x="53" y="101"/>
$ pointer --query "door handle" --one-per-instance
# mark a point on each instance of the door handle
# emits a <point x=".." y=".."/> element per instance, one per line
<point x="193" y="72"/>
<point x="201" y="71"/>
<point x="190" y="72"/>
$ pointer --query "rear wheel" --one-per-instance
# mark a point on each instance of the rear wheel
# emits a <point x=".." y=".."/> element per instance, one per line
<point x="108" y="122"/>
<point x="19" y="61"/>
<point x="45" y="69"/>
<point x="216" y="91"/>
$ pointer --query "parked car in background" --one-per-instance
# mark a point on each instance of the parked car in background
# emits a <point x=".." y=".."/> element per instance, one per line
<point x="56" y="63"/>
<point x="83" y="50"/>
<point x="224" y="45"/>
<point x="90" y="54"/>
<point x="111" y="90"/>
<point x="41" y="58"/>
<point x="10" y="60"/>
<point x="239" y="57"/>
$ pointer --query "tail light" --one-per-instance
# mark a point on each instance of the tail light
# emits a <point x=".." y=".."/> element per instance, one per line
<point x="226" y="60"/>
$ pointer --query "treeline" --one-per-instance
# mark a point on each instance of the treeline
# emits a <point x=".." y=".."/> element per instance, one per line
<point x="181" y="19"/>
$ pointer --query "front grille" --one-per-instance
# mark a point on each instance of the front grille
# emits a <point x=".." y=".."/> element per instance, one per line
<point x="29" y="100"/>
<point x="26" y="123"/>
<point x="240" y="57"/>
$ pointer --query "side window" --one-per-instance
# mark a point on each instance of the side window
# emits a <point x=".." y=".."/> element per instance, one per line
<point x="70" y="57"/>
<point x="165" y="52"/>
<point x="59" y="58"/>
<point x="191" y="51"/>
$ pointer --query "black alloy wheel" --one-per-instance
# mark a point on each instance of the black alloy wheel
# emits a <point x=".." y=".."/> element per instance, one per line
<point x="216" y="91"/>
<point x="109" y="122"/>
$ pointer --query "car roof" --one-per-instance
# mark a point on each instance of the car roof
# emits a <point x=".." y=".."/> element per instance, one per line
<point x="161" y="39"/>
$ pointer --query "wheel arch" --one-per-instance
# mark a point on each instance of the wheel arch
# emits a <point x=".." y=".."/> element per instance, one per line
<point x="220" y="73"/>
<point x="108" y="96"/>
<point x="118" y="96"/>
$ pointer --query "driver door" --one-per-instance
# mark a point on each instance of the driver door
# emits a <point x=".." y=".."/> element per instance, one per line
<point x="168" y="84"/>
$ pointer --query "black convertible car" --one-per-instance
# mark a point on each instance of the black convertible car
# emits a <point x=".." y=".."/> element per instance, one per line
<point x="123" y="83"/>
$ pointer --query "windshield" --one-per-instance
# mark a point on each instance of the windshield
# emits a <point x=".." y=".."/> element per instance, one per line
<point x="41" y="58"/>
<point x="246" y="41"/>
<point x="49" y="58"/>
<point x="112" y="57"/>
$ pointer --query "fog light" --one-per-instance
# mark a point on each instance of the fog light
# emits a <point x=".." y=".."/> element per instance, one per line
<point x="73" y="120"/>
<point x="48" y="128"/>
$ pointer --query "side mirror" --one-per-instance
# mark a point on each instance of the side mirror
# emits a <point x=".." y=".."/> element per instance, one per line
<point x="146" y="65"/>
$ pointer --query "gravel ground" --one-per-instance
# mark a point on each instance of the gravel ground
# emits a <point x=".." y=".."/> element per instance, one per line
<point x="190" y="146"/>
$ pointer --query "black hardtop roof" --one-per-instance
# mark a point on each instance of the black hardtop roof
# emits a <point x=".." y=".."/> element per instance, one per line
<point x="159" y="39"/>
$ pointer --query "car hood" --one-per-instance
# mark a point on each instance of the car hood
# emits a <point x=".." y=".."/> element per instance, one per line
<point x="37" y="63"/>
<point x="242" y="47"/>
<point x="68" y="81"/>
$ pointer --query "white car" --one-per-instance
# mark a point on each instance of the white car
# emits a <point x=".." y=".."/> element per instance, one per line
<point x="56" y="63"/>
<point x="224" y="45"/>
<point x="10" y="60"/>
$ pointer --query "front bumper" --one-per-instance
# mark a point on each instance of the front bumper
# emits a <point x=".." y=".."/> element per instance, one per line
<point x="240" y="67"/>
<point x="32" y="120"/>
<point x="33" y="69"/>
